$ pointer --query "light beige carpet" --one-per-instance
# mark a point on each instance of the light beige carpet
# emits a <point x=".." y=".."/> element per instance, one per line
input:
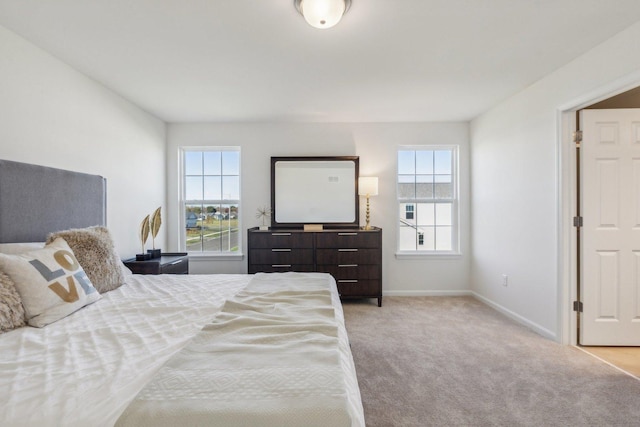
<point x="453" y="361"/>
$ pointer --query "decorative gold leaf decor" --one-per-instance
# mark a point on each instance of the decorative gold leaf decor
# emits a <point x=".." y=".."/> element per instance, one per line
<point x="144" y="231"/>
<point x="155" y="223"/>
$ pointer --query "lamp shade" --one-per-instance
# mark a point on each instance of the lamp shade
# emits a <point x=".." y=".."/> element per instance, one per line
<point x="322" y="13"/>
<point x="368" y="186"/>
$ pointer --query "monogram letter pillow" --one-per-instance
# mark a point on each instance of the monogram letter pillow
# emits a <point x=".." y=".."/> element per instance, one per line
<point x="50" y="281"/>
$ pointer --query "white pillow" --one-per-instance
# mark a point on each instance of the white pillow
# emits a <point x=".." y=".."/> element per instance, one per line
<point x="50" y="281"/>
<point x="19" y="248"/>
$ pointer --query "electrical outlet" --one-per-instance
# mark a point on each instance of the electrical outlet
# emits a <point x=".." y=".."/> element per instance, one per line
<point x="505" y="280"/>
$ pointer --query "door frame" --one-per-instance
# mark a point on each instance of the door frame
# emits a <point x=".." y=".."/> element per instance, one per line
<point x="566" y="200"/>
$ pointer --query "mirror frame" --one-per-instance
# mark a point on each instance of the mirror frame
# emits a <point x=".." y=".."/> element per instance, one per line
<point x="325" y="224"/>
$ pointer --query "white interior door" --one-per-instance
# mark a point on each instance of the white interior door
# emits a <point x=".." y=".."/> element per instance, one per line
<point x="610" y="236"/>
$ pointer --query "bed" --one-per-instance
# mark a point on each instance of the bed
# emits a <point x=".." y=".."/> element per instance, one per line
<point x="266" y="349"/>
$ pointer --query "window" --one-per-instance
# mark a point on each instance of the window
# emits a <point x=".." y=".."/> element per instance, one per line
<point x="427" y="199"/>
<point x="211" y="200"/>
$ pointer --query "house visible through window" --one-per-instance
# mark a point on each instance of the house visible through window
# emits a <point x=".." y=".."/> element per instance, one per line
<point x="211" y="199"/>
<point x="408" y="211"/>
<point x="427" y="199"/>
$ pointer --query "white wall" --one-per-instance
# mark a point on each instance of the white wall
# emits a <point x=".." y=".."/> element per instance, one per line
<point x="54" y="116"/>
<point x="376" y="144"/>
<point x="515" y="184"/>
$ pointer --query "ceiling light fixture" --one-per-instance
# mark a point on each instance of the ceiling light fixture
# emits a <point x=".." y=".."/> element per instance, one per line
<point x="322" y="13"/>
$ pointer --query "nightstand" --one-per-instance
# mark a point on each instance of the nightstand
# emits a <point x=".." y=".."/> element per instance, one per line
<point x="168" y="263"/>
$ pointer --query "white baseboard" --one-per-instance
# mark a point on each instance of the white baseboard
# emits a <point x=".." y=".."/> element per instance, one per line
<point x="522" y="320"/>
<point x="426" y="293"/>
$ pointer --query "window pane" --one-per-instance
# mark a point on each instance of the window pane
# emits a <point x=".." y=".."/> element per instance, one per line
<point x="192" y="163"/>
<point x="406" y="186"/>
<point x="231" y="163"/>
<point x="426" y="214"/>
<point x="443" y="162"/>
<point x="444" y="191"/>
<point x="193" y="227"/>
<point x="193" y="188"/>
<point x="407" y="213"/>
<point x="424" y="162"/>
<point x="407" y="238"/>
<point x="212" y="188"/>
<point x="221" y="234"/>
<point x="429" y="238"/>
<point x="443" y="214"/>
<point x="230" y="187"/>
<point x="443" y="238"/>
<point x="424" y="186"/>
<point x="406" y="162"/>
<point x="212" y="163"/>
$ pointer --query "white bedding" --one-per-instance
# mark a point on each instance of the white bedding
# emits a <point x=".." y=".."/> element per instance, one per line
<point x="84" y="370"/>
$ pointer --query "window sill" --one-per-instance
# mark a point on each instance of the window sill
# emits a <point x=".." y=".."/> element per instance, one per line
<point x="212" y="256"/>
<point x="429" y="255"/>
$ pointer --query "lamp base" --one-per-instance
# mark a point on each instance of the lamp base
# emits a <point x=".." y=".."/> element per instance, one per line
<point x="367" y="216"/>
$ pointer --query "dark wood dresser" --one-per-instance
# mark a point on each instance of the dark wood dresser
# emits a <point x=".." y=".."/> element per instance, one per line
<point x="168" y="263"/>
<point x="352" y="256"/>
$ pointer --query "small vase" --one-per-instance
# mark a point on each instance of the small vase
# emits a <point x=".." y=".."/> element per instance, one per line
<point x="155" y="253"/>
<point x="143" y="257"/>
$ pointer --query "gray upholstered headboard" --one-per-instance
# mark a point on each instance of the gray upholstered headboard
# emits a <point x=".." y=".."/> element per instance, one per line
<point x="37" y="200"/>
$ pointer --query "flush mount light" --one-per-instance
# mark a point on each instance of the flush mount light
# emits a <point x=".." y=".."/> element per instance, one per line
<point x="322" y="13"/>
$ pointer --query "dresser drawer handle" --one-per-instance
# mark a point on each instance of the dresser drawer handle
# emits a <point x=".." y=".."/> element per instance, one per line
<point x="347" y="234"/>
<point x="347" y="265"/>
<point x="347" y="250"/>
<point x="281" y="234"/>
<point x="347" y="281"/>
<point x="280" y="265"/>
<point x="176" y="262"/>
<point x="280" y="250"/>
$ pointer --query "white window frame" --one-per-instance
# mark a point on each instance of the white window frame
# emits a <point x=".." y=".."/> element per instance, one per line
<point x="455" y="205"/>
<point x="218" y="255"/>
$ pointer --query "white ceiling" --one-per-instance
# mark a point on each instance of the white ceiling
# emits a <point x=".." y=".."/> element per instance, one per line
<point x="258" y="60"/>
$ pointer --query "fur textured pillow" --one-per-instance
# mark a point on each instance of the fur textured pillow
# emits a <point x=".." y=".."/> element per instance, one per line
<point x="94" y="249"/>
<point x="11" y="309"/>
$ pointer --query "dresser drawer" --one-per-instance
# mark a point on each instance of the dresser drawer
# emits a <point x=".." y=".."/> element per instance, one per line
<point x="347" y="256"/>
<point x="179" y="266"/>
<point x="281" y="256"/>
<point x="359" y="288"/>
<point x="351" y="271"/>
<point x="348" y="239"/>
<point x="280" y="268"/>
<point x="282" y="239"/>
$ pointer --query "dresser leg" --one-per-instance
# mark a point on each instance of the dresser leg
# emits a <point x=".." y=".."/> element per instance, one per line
<point x="379" y="301"/>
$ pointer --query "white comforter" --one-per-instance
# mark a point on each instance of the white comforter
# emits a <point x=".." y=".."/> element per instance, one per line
<point x="270" y="358"/>
<point x="84" y="370"/>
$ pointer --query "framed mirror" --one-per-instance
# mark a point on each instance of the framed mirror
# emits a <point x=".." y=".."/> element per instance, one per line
<point x="314" y="190"/>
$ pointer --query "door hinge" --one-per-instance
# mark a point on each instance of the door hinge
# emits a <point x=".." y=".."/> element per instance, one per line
<point x="577" y="306"/>
<point x="577" y="221"/>
<point x="577" y="138"/>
